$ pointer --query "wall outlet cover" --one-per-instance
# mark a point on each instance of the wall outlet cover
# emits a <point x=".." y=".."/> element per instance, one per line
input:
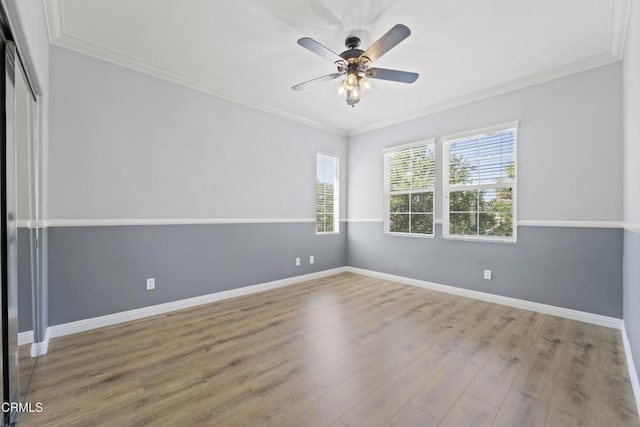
<point x="487" y="274"/>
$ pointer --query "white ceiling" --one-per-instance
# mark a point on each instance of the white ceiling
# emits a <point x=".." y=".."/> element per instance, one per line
<point x="246" y="50"/>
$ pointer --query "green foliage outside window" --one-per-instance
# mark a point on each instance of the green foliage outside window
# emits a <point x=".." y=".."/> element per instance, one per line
<point x="485" y="212"/>
<point x="411" y="176"/>
<point x="326" y="193"/>
<point x="324" y="204"/>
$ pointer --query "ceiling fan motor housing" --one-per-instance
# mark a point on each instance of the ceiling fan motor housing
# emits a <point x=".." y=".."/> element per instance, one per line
<point x="351" y="54"/>
<point x="354" y="63"/>
<point x="352" y="42"/>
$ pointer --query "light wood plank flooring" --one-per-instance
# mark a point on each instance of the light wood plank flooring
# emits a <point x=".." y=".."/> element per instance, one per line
<point x="26" y="364"/>
<point x="346" y="350"/>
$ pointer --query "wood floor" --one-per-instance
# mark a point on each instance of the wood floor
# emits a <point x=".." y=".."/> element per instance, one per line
<point x="340" y="351"/>
<point x="26" y="364"/>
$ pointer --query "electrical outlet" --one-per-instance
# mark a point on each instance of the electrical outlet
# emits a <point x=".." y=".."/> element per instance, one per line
<point x="151" y="284"/>
<point x="487" y="275"/>
<point x="297" y="261"/>
<point x="311" y="259"/>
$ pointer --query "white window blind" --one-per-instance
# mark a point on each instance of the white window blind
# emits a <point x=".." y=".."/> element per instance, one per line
<point x="409" y="188"/>
<point x="327" y="167"/>
<point x="480" y="184"/>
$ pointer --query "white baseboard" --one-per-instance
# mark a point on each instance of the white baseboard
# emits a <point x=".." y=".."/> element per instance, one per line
<point x="631" y="366"/>
<point x="596" y="319"/>
<point x="125" y="316"/>
<point x="25" y="337"/>
<point x="40" y="348"/>
<point x="37" y="348"/>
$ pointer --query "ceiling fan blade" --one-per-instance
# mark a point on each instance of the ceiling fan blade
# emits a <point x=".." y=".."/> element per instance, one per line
<point x="317" y="80"/>
<point x="319" y="49"/>
<point x="387" y="42"/>
<point x="393" y="75"/>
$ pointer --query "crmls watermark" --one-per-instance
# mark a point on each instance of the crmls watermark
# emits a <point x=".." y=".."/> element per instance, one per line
<point x="22" y="407"/>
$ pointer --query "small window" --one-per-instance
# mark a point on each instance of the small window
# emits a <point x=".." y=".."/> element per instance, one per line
<point x="409" y="176"/>
<point x="479" y="184"/>
<point x="327" y="167"/>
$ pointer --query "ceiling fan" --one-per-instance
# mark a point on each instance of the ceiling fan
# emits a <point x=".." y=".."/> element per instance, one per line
<point x="355" y="63"/>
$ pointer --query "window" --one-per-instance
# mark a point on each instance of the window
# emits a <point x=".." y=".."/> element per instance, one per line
<point x="327" y="193"/>
<point x="480" y="184"/>
<point x="409" y="176"/>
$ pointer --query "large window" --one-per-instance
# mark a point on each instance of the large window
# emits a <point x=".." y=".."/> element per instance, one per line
<point x="327" y="167"/>
<point x="409" y="175"/>
<point x="479" y="183"/>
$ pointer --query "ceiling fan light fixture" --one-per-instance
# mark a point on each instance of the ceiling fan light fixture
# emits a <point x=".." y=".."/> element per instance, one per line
<point x="352" y="92"/>
<point x="364" y="84"/>
<point x="355" y="64"/>
<point x="353" y="97"/>
<point x="351" y="82"/>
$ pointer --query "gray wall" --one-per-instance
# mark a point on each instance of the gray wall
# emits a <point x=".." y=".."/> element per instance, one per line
<point x="577" y="268"/>
<point x="128" y="145"/>
<point x="569" y="160"/>
<point x="631" y="312"/>
<point x="631" y="78"/>
<point x="569" y="148"/>
<point x="95" y="271"/>
<point x="631" y="102"/>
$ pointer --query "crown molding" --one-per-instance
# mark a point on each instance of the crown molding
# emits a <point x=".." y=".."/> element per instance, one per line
<point x="619" y="17"/>
<point x="618" y="23"/>
<point x="53" y="16"/>
<point x="620" y="13"/>
<point x="534" y="79"/>
<point x="58" y="36"/>
<point x="136" y="64"/>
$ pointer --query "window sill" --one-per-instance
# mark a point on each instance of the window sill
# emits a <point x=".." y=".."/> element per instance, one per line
<point x="327" y="233"/>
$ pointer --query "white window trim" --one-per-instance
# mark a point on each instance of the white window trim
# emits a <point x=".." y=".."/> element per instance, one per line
<point x="387" y="194"/>
<point x="336" y="196"/>
<point x="446" y="140"/>
<point x="481" y="131"/>
<point x="409" y="145"/>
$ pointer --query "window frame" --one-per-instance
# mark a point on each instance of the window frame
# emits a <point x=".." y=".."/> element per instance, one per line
<point x="446" y="143"/>
<point x="387" y="193"/>
<point x="336" y="195"/>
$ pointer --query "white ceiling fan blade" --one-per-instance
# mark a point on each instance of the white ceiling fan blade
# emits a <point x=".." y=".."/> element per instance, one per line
<point x="319" y="49"/>
<point x="393" y="75"/>
<point x="387" y="42"/>
<point x="317" y="80"/>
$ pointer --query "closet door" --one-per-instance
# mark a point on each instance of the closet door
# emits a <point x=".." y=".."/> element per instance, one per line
<point x="9" y="237"/>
